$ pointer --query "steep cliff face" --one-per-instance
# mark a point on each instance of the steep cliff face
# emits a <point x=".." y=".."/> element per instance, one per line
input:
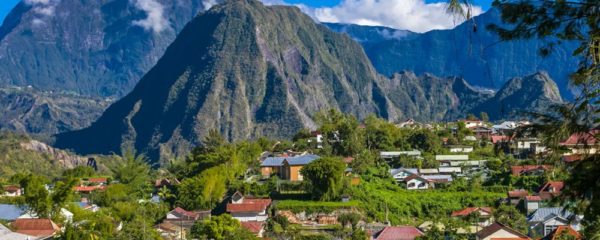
<point x="245" y="70"/>
<point x="430" y="98"/>
<point x="91" y="47"/>
<point x="520" y="96"/>
<point x="34" y="112"/>
<point x="477" y="56"/>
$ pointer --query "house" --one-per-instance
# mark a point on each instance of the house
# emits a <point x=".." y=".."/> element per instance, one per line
<point x="398" y="233"/>
<point x="12" y="191"/>
<point x="170" y="231"/>
<point x="529" y="170"/>
<point x="484" y="215"/>
<point x="450" y="160"/>
<point x="9" y="212"/>
<point x="516" y="196"/>
<point x="505" y="128"/>
<point x="96" y="181"/>
<point x="473" y="123"/>
<point x="545" y="220"/>
<point x="450" y="170"/>
<point x="561" y="231"/>
<point x="258" y="228"/>
<point x="64" y="213"/>
<point x="429" y="171"/>
<point x="185" y="218"/>
<point x="397" y="154"/>
<point x="482" y="132"/>
<point x="532" y="203"/>
<point x="287" y="168"/>
<point x="416" y="182"/>
<point x="42" y="228"/>
<point x="442" y="179"/>
<point x="550" y="190"/>
<point x="401" y="173"/>
<point x="582" y="143"/>
<point x="88" y="189"/>
<point x="498" y="231"/>
<point x="7" y="234"/>
<point x="500" y="139"/>
<point x="460" y="149"/>
<point x="246" y="209"/>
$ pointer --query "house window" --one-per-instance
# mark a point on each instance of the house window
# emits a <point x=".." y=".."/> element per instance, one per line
<point x="411" y="185"/>
<point x="421" y="185"/>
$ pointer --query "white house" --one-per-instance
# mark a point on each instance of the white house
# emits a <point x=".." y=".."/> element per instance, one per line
<point x="246" y="209"/>
<point x="545" y="220"/>
<point x="401" y="173"/>
<point x="474" y="123"/>
<point x="415" y="182"/>
<point x="66" y="214"/>
<point x="396" y="154"/>
<point x="449" y="170"/>
<point x="460" y="149"/>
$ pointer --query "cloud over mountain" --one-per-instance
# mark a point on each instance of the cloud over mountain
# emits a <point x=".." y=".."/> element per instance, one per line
<point x="155" y="19"/>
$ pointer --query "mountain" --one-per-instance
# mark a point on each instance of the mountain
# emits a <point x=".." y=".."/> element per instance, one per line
<point x="96" y="48"/>
<point x="533" y="93"/>
<point x="430" y="98"/>
<point x="478" y="56"/>
<point x="248" y="70"/>
<point x="369" y="34"/>
<point x="243" y="69"/>
<point x="29" y="111"/>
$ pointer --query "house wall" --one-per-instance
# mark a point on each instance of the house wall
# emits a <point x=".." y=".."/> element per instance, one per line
<point x="268" y="171"/>
<point x="499" y="234"/>
<point x="295" y="174"/>
<point x="415" y="184"/>
<point x="250" y="217"/>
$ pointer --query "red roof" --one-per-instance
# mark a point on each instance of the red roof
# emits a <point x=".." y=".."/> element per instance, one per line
<point x="551" y="189"/>
<point x="88" y="188"/>
<point x="97" y="180"/>
<point x="533" y="198"/>
<point x="588" y="138"/>
<point x="518" y="194"/>
<point x="561" y="229"/>
<point x="254" y="227"/>
<point x="518" y="170"/>
<point x="35" y="227"/>
<point x="249" y="205"/>
<point x="348" y="160"/>
<point x="12" y="188"/>
<point x="415" y="176"/>
<point x="571" y="158"/>
<point x="467" y="211"/>
<point x="182" y="213"/>
<point x="497" y="139"/>
<point x="399" y="233"/>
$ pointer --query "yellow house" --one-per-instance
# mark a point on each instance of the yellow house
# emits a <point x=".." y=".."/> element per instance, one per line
<point x="287" y="168"/>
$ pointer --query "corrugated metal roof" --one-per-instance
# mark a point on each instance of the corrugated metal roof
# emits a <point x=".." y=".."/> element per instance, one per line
<point x="452" y="157"/>
<point x="542" y="214"/>
<point x="10" y="212"/>
<point x="297" y="160"/>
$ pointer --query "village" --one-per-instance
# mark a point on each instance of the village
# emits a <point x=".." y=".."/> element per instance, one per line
<point x="516" y="182"/>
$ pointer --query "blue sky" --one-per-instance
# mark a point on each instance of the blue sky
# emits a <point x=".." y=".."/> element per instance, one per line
<point x="412" y="15"/>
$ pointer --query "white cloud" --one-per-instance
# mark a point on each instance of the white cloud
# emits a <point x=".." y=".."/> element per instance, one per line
<point x="43" y="7"/>
<point x="155" y="19"/>
<point x="414" y="15"/>
<point x="208" y="4"/>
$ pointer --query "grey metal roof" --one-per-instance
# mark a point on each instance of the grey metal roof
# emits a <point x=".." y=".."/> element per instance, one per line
<point x="409" y="170"/>
<point x="7" y="234"/>
<point x="297" y="160"/>
<point x="10" y="212"/>
<point x="543" y="214"/>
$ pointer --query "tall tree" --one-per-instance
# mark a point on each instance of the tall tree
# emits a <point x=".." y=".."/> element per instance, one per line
<point x="326" y="177"/>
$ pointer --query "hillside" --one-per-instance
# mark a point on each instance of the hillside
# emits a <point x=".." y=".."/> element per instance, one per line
<point x="25" y="110"/>
<point x="97" y="48"/>
<point x="477" y="56"/>
<point x="520" y="96"/>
